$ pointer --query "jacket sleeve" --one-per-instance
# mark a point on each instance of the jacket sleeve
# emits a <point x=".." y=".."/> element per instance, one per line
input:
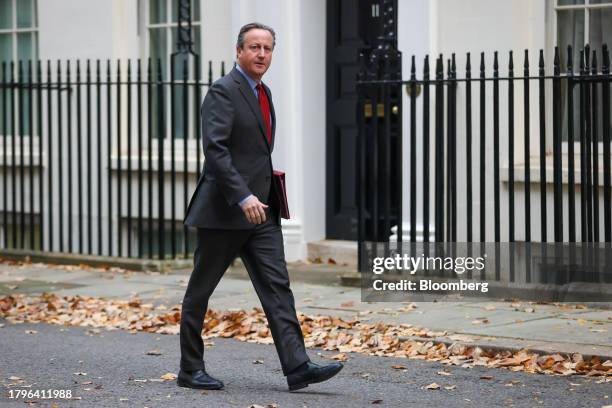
<point x="217" y="118"/>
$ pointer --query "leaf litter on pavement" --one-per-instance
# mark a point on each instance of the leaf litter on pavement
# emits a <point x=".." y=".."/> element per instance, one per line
<point x="327" y="332"/>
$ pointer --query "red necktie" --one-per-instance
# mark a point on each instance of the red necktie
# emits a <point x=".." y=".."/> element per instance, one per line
<point x="264" y="104"/>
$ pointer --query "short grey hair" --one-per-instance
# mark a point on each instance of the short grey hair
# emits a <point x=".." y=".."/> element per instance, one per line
<point x="248" y="27"/>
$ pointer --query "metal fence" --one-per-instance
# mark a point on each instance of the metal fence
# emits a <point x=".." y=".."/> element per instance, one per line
<point x="98" y="157"/>
<point x="580" y="107"/>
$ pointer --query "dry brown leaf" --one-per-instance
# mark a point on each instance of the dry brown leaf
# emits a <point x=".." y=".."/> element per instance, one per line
<point x="330" y="333"/>
<point x="168" y="377"/>
<point x="398" y="367"/>
<point x="486" y="377"/>
<point x="339" y="357"/>
<point x="432" y="386"/>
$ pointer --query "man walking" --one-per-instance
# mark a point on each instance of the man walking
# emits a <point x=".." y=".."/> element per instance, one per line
<point x="236" y="213"/>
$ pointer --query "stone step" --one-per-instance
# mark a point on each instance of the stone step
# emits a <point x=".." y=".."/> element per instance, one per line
<point x="333" y="251"/>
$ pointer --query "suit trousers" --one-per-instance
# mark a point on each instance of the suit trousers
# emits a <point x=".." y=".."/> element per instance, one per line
<point x="262" y="252"/>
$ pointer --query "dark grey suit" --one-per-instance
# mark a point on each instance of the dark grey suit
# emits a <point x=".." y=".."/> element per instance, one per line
<point x="238" y="162"/>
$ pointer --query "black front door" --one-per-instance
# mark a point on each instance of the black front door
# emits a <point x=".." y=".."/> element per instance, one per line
<point x="344" y="39"/>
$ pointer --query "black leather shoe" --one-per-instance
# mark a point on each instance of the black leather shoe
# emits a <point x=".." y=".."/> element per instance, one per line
<point x="310" y="373"/>
<point x="198" y="379"/>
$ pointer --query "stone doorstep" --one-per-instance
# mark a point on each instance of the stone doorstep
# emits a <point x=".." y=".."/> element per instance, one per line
<point x="132" y="264"/>
<point x="342" y="252"/>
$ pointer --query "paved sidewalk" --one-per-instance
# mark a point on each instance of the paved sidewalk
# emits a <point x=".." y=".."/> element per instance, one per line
<point x="539" y="327"/>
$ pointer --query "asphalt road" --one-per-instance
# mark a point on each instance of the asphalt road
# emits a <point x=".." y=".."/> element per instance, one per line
<point x="116" y="363"/>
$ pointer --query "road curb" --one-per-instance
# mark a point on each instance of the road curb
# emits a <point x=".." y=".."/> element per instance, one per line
<point x="132" y="264"/>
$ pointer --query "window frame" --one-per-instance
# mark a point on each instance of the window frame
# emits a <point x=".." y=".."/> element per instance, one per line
<point x="586" y="7"/>
<point x="14" y="32"/>
<point x="145" y="26"/>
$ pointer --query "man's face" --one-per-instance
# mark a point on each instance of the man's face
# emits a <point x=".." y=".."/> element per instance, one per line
<point x="256" y="54"/>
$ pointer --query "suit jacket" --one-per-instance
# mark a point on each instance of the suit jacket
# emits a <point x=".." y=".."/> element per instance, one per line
<point x="238" y="158"/>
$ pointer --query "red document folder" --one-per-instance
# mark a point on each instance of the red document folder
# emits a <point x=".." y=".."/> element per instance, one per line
<point x="281" y="192"/>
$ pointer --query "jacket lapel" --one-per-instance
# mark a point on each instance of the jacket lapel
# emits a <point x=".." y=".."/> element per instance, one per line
<point x="253" y="103"/>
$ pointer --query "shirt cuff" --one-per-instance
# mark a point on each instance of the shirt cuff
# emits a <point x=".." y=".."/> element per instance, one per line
<point x="244" y="199"/>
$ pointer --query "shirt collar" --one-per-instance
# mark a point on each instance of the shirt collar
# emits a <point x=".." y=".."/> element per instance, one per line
<point x="251" y="81"/>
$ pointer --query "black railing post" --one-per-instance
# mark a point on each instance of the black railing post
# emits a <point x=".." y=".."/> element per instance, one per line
<point x="69" y="148"/>
<point x="100" y="212"/>
<point x="542" y="101"/>
<point x="587" y="143"/>
<point x="527" y="151"/>
<point x="141" y="152"/>
<point x="496" y="203"/>
<point x="5" y="90"/>
<point x="453" y="152"/>
<point x="79" y="155"/>
<point x="50" y="149"/>
<point x="605" y="99"/>
<point x="119" y="153"/>
<point x="161" y="225"/>
<point x="595" y="133"/>
<point x="186" y="111"/>
<point x="511" y="148"/>
<point x="89" y="173"/>
<point x="109" y="152"/>
<point x="527" y="160"/>
<point x="570" y="147"/>
<point x="30" y="94"/>
<point x="150" y="97"/>
<point x="21" y="159"/>
<point x="60" y="160"/>
<point x="483" y="154"/>
<point x="361" y="155"/>
<point x="39" y="121"/>
<point x="439" y="154"/>
<point x="129" y="157"/>
<point x="496" y="165"/>
<point x="173" y="136"/>
<point x="413" y="152"/>
<point x="468" y="148"/>
<point x="557" y="166"/>
<point x="449" y="153"/>
<point x="426" y="155"/>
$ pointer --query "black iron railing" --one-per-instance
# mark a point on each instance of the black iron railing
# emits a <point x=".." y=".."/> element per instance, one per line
<point x="574" y="107"/>
<point x="92" y="162"/>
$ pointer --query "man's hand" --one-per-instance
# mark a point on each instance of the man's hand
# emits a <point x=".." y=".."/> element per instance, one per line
<point x="254" y="210"/>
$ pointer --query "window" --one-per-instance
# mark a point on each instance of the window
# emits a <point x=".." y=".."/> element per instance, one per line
<point x="162" y="36"/>
<point x="18" y="42"/>
<point x="581" y="22"/>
